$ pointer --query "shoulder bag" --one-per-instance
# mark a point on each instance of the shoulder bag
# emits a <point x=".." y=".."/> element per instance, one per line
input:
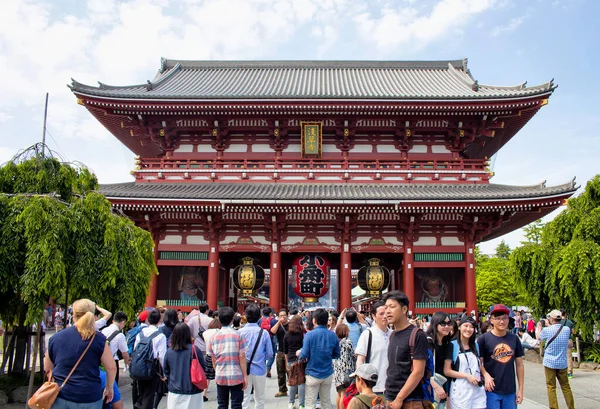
<point x="45" y="396"/>
<point x="197" y="374"/>
<point x="248" y="363"/>
<point x="543" y="348"/>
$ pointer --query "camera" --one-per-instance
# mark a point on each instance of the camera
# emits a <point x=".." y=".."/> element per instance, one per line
<point x="480" y="383"/>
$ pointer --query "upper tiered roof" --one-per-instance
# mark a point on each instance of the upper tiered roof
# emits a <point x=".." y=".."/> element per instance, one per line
<point x="313" y="80"/>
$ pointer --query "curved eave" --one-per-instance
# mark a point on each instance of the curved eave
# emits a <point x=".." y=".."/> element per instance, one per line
<point x="128" y="99"/>
<point x="425" y="197"/>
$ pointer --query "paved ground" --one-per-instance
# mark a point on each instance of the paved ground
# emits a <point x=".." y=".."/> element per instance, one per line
<point x="585" y="384"/>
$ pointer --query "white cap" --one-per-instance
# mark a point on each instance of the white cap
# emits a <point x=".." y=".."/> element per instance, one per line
<point x="366" y="371"/>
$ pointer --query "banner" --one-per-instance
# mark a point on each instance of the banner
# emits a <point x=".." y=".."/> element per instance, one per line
<point x="312" y="138"/>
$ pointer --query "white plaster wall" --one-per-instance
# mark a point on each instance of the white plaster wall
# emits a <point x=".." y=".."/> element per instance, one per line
<point x="451" y="241"/>
<point x="171" y="239"/>
<point x="237" y="147"/>
<point x="184" y="148"/>
<point x="196" y="240"/>
<point x="439" y="149"/>
<point x="261" y="147"/>
<point x="425" y="241"/>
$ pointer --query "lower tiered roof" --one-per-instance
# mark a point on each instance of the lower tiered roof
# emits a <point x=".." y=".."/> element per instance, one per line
<point x="277" y="192"/>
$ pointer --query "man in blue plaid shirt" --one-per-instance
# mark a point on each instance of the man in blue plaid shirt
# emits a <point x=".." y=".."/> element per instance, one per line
<point x="555" y="360"/>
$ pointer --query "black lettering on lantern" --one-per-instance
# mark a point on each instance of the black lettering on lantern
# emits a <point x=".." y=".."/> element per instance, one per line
<point x="311" y="276"/>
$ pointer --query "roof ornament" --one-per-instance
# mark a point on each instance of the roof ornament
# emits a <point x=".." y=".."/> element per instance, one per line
<point x="475" y="86"/>
<point x="523" y="85"/>
<point x="163" y="65"/>
<point x="543" y="184"/>
<point x="573" y="183"/>
<point x="149" y="86"/>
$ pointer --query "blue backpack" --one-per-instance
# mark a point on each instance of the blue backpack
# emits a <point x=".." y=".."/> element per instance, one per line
<point x="131" y="335"/>
<point x="456" y="350"/>
<point x="143" y="364"/>
<point x="429" y="365"/>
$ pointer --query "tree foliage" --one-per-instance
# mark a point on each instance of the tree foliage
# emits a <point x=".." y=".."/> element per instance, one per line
<point x="562" y="270"/>
<point x="57" y="232"/>
<point x="495" y="284"/>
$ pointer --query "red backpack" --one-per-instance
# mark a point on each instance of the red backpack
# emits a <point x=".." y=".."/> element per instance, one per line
<point x="266" y="324"/>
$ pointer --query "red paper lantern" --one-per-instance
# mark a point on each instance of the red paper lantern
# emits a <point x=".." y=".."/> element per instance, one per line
<point x="311" y="277"/>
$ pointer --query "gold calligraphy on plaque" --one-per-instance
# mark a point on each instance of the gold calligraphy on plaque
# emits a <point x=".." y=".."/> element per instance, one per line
<point x="312" y="138"/>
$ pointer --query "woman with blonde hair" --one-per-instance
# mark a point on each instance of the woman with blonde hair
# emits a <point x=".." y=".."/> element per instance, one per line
<point x="82" y="343"/>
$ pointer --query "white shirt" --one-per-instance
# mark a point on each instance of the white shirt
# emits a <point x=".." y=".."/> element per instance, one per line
<point x="101" y="323"/>
<point x="118" y="343"/>
<point x="194" y="324"/>
<point x="529" y="340"/>
<point x="159" y="343"/>
<point x="379" y="347"/>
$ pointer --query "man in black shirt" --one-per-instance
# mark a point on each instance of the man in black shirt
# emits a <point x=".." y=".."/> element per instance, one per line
<point x="402" y="386"/>
<point x="501" y="354"/>
<point x="279" y="329"/>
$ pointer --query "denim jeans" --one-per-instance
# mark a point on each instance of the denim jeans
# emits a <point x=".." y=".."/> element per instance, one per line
<point x="223" y="394"/>
<point x="498" y="401"/>
<point x="298" y="389"/>
<point x="60" y="403"/>
<point x="274" y="346"/>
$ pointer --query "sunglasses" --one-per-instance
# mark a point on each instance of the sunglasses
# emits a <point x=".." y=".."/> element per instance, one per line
<point x="445" y="323"/>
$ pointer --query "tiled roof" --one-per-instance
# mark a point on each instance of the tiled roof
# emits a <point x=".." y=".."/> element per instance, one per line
<point x="330" y="80"/>
<point x="277" y="192"/>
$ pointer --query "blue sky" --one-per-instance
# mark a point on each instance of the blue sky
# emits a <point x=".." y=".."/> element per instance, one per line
<point x="45" y="43"/>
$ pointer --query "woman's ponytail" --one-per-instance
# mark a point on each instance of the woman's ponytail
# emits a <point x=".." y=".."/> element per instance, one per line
<point x="83" y="315"/>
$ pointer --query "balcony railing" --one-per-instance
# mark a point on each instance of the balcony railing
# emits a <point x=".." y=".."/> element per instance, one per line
<point x="317" y="170"/>
<point x="407" y="165"/>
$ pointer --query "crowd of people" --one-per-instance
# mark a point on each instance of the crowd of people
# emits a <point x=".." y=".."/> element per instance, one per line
<point x="385" y="358"/>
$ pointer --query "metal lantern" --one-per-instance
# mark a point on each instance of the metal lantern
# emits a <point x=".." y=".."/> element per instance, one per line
<point x="311" y="277"/>
<point x="373" y="278"/>
<point x="247" y="277"/>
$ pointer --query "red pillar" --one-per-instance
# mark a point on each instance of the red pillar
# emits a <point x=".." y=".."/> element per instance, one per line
<point x="408" y="274"/>
<point x="212" y="292"/>
<point x="470" y="285"/>
<point x="151" y="297"/>
<point x="345" y="277"/>
<point x="275" y="280"/>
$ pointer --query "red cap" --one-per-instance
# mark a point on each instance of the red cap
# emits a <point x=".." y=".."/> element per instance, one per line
<point x="500" y="309"/>
<point x="143" y="316"/>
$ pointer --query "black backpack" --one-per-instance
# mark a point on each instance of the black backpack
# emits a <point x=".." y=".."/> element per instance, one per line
<point x="143" y="364"/>
<point x="109" y="340"/>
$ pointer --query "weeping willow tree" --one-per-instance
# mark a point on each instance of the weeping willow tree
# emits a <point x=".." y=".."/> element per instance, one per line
<point x="562" y="269"/>
<point x="61" y="240"/>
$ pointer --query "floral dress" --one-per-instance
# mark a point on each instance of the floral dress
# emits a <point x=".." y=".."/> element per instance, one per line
<point x="345" y="364"/>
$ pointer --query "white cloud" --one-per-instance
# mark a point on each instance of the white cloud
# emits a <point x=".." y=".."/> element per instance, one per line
<point x="511" y="26"/>
<point x="400" y="25"/>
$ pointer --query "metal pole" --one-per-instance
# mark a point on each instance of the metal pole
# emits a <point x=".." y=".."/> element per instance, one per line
<point x="44" y="130"/>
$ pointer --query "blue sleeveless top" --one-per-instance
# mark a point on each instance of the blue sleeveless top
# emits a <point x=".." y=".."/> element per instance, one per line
<point x="64" y="349"/>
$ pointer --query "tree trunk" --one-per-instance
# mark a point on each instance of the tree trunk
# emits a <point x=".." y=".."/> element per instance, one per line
<point x="22" y="332"/>
<point x="8" y="351"/>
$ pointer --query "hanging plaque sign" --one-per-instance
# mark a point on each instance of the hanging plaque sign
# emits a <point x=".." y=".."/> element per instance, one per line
<point x="312" y="138"/>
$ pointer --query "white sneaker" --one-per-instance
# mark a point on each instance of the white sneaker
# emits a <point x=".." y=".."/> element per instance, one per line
<point x="290" y="406"/>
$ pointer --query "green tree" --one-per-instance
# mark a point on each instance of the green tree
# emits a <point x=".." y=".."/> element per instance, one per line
<point x="495" y="284"/>
<point x="562" y="269"/>
<point x="57" y="237"/>
<point x="533" y="232"/>
<point x="503" y="250"/>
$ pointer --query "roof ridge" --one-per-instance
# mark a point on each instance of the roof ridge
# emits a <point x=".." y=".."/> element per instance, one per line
<point x="331" y="64"/>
